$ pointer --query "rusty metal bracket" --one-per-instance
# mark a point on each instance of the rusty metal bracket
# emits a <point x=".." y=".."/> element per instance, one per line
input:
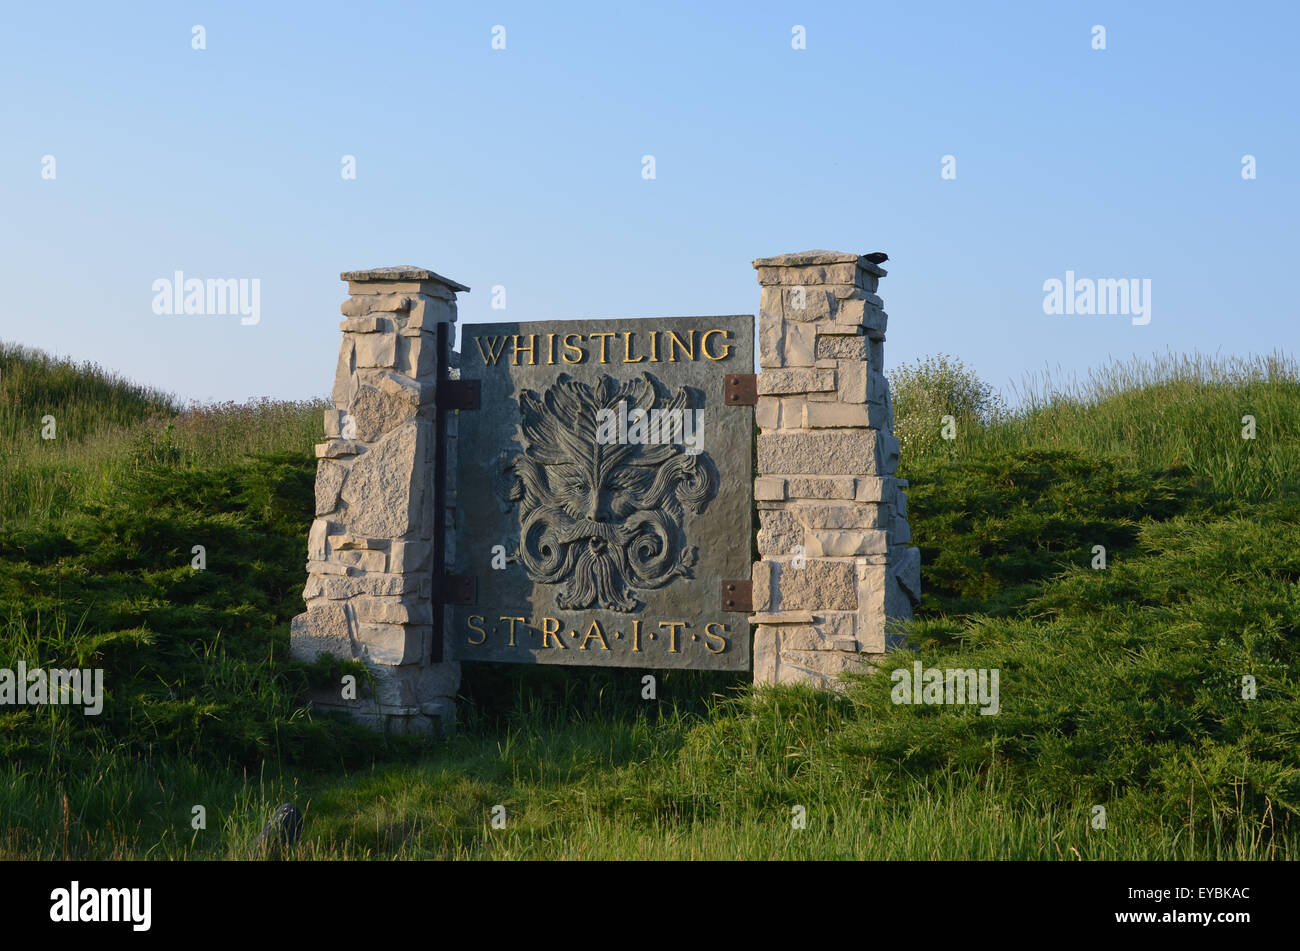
<point x="741" y="389"/>
<point x="738" y="596"/>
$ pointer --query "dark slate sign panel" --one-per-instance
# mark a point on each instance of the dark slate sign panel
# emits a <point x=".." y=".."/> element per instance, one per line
<point x="604" y="493"/>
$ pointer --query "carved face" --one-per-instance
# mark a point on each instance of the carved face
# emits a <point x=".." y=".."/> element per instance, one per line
<point x="599" y="516"/>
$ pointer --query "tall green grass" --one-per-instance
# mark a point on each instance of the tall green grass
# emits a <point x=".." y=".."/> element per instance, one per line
<point x="1171" y="410"/>
<point x="1121" y="687"/>
<point x="103" y="424"/>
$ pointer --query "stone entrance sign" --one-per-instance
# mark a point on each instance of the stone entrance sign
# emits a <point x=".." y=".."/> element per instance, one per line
<point x="584" y="493"/>
<point x="603" y="493"/>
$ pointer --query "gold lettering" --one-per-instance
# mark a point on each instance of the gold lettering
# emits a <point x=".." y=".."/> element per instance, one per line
<point x="708" y="633"/>
<point x="726" y="347"/>
<point x="576" y="349"/>
<point x="532" y="341"/>
<point x="604" y="340"/>
<point x="673" y="627"/>
<point x="654" y="346"/>
<point x="627" y="348"/>
<point x="636" y="636"/>
<point x="551" y="628"/>
<point x="469" y="621"/>
<point x="550" y="350"/>
<point x="594" y="631"/>
<point x="493" y="352"/>
<point x="521" y="620"/>
<point x="674" y="339"/>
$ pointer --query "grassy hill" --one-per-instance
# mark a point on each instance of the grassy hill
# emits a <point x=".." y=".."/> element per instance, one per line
<point x="1121" y="687"/>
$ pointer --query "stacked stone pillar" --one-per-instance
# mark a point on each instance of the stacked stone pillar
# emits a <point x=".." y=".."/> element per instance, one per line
<point x="369" y="590"/>
<point x="835" y="575"/>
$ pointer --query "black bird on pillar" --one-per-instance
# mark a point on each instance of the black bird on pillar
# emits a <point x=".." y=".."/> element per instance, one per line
<point x="877" y="257"/>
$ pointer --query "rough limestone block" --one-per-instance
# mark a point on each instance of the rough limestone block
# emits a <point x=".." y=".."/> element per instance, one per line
<point x="792" y="412"/>
<point x="376" y="350"/>
<point x="761" y="576"/>
<point x="887" y="454"/>
<point x="333" y="422"/>
<point x="902" y="533"/>
<point x="376" y="412"/>
<point x="316" y="539"/>
<point x="396" y="644"/>
<point x="778" y="382"/>
<point x="803" y="304"/>
<point x="393" y="611"/>
<point x="367" y="325"/>
<point x="820" y="668"/>
<point x="351" y="542"/>
<point x="428" y="312"/>
<point x="404" y="288"/>
<point x="855" y="310"/>
<point x="813" y="638"/>
<point x="361" y="305"/>
<point x="908" y="575"/>
<point x="900" y="504"/>
<point x="800" y="344"/>
<point x="853" y="382"/>
<point x="829" y="396"/>
<point x="329" y="483"/>
<point x="417" y="356"/>
<point x="766" y="651"/>
<point x="326" y="568"/>
<point x="821" y="516"/>
<point x="347" y="365"/>
<point x="820" y="487"/>
<point x="872" y="489"/>
<point x="779" y="532"/>
<point x="337" y="448"/>
<point x="882" y="605"/>
<point x="839" y="347"/>
<point x="771" y="307"/>
<point x="410" y="556"/>
<point x="840" y="328"/>
<point x="768" y="412"/>
<point x="322" y="629"/>
<point x="875" y="324"/>
<point x="809" y="276"/>
<point x="771" y="345"/>
<point x="371" y="560"/>
<point x="769" y="489"/>
<point x="829" y="452"/>
<point x="411" y="685"/>
<point x="782" y="617"/>
<point x="399" y="386"/>
<point x="819" y="585"/>
<point x="846" y="543"/>
<point x="387" y="489"/>
<point x="835" y="415"/>
<point x="822" y="256"/>
<point x="878" y="388"/>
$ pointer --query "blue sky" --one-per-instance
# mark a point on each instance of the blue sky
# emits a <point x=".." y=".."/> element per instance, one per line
<point x="522" y="168"/>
